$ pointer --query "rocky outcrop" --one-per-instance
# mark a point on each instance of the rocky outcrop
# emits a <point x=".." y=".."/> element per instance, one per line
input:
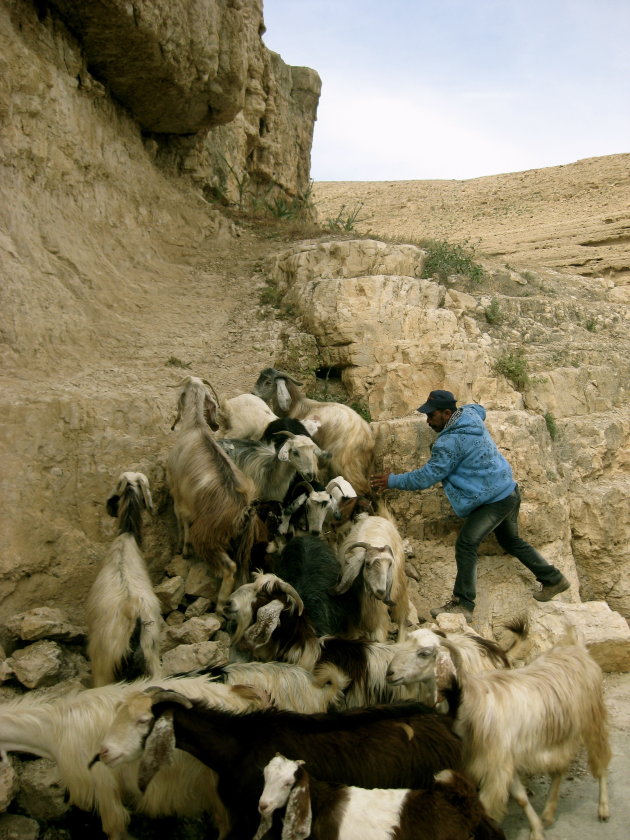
<point x="179" y="66"/>
<point x="392" y="336"/>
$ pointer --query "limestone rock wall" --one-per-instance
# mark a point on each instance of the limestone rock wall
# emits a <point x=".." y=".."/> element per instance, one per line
<point x="394" y="336"/>
<point x="102" y="244"/>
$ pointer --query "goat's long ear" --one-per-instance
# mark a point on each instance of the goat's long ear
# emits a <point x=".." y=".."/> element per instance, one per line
<point x="349" y="574"/>
<point x="146" y="492"/>
<point x="283" y="452"/>
<point x="159" y="749"/>
<point x="267" y="619"/>
<point x="298" y="815"/>
<point x="283" y="395"/>
<point x="390" y="582"/>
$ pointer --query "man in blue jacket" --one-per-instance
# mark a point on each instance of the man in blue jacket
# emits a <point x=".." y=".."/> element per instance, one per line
<point x="479" y="485"/>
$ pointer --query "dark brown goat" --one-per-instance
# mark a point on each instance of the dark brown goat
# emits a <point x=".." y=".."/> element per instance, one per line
<point x="401" y="745"/>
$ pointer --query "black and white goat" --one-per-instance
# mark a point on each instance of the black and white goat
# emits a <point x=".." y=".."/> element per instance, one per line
<point x="343" y="432"/>
<point x="212" y="497"/>
<point x="271" y="469"/>
<point x="527" y="720"/>
<point x="372" y="559"/>
<point x="123" y="612"/>
<point x="387" y="746"/>
<point x="448" y="810"/>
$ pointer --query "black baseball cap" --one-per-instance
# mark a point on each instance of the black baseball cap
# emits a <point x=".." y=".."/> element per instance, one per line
<point x="437" y="401"/>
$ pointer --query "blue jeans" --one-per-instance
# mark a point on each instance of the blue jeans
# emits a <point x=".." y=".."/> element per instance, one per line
<point x="502" y="518"/>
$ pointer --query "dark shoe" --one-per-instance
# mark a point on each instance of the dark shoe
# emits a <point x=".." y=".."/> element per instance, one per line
<point x="548" y="591"/>
<point x="453" y="606"/>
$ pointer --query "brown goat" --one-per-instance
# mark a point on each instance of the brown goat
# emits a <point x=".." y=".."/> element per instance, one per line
<point x="211" y="495"/>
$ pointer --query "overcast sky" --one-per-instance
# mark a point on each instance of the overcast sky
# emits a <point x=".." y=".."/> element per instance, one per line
<point x="424" y="89"/>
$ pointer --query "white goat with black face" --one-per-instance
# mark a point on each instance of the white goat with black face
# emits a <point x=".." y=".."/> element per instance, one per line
<point x="343" y="432"/>
<point x="123" y="612"/>
<point x="372" y="560"/>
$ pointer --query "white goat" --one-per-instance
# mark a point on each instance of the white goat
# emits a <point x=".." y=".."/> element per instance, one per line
<point x="123" y="612"/>
<point x="343" y="432"/>
<point x="211" y="495"/>
<point x="372" y="558"/>
<point x="448" y="810"/>
<point x="528" y="720"/>
<point x="244" y="416"/>
<point x="289" y="686"/>
<point x="273" y="470"/>
<point x="69" y="731"/>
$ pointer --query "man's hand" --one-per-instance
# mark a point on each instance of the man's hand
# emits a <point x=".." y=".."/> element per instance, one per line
<point x="378" y="482"/>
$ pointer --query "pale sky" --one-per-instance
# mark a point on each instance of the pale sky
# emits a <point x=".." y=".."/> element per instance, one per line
<point x="425" y="89"/>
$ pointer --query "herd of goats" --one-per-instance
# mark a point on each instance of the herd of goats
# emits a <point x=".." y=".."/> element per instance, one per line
<point x="321" y="725"/>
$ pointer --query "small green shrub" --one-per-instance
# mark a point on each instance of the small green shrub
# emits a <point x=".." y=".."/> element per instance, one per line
<point x="362" y="410"/>
<point x="173" y="361"/>
<point x="514" y="367"/>
<point x="444" y="258"/>
<point x="591" y="325"/>
<point x="551" y="425"/>
<point x="345" y="221"/>
<point x="493" y="312"/>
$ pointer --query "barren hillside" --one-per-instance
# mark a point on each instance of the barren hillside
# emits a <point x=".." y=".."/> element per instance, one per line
<point x="575" y="218"/>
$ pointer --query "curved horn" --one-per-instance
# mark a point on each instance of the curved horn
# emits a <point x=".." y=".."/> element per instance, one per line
<point x="350" y="548"/>
<point x="167" y="695"/>
<point x="349" y="574"/>
<point x="305" y="484"/>
<point x="146" y="492"/>
<point x="284" y="375"/>
<point x="211" y="386"/>
<point x="292" y="593"/>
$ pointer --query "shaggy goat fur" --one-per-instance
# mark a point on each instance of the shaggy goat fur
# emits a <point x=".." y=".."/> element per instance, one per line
<point x="343" y="432"/>
<point x="528" y="720"/>
<point x="372" y="560"/>
<point x="271" y="469"/>
<point x="123" y="613"/>
<point x="69" y="731"/>
<point x="386" y="746"/>
<point x="244" y="416"/>
<point x="211" y="495"/>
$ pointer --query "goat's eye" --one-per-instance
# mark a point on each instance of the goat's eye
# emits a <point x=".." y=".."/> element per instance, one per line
<point x="423" y="654"/>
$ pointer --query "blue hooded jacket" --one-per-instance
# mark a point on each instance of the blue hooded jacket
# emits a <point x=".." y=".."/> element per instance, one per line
<point x="467" y="462"/>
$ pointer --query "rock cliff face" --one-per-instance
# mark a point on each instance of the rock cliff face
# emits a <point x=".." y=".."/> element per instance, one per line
<point x="119" y="275"/>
